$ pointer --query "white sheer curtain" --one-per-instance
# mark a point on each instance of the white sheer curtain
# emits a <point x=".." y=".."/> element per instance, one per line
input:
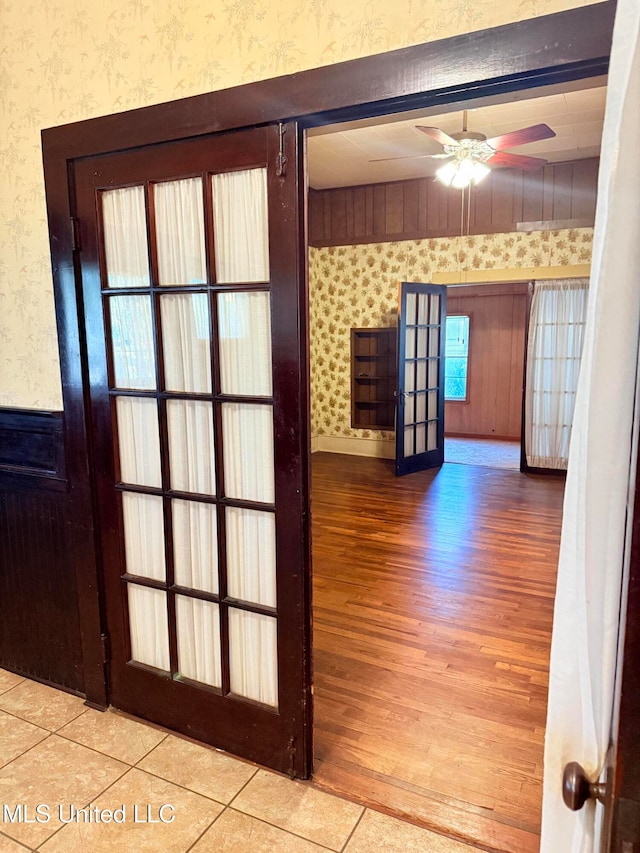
<point x="253" y="659"/>
<point x="247" y="438"/>
<point x="125" y="237"/>
<point x="191" y="449"/>
<point x="139" y="441"/>
<point x="179" y="210"/>
<point x="195" y="545"/>
<point x="554" y="351"/>
<point x="132" y="342"/>
<point x="244" y="337"/>
<point x="143" y="535"/>
<point x="241" y="226"/>
<point x="198" y="633"/>
<point x="149" y="626"/>
<point x="600" y="478"/>
<point x="251" y="555"/>
<point x="186" y="342"/>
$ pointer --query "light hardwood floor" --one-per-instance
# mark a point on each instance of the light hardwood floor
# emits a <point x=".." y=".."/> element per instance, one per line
<point x="433" y="604"/>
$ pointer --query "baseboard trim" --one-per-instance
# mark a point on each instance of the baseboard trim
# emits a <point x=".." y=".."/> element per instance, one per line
<point x="376" y="447"/>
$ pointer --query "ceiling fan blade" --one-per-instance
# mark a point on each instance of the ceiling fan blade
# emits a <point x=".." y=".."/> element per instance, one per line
<point x="437" y="134"/>
<point x="520" y="137"/>
<point x="515" y="161"/>
<point x="411" y="157"/>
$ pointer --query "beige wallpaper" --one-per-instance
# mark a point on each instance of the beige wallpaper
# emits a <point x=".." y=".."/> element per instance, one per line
<point x="358" y="286"/>
<point x="65" y="60"/>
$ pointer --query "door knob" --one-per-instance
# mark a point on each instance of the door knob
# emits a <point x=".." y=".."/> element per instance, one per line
<point x="577" y="789"/>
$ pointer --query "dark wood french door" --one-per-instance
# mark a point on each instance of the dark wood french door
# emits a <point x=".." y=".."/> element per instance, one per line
<point x="189" y="258"/>
<point x="421" y="351"/>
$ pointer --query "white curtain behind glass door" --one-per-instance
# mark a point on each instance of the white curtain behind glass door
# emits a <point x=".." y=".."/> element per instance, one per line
<point x="244" y="348"/>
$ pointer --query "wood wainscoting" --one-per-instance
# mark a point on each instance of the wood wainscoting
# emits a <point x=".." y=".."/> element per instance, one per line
<point x="493" y="408"/>
<point x="39" y="618"/>
<point x="561" y="195"/>
<point x="433" y="607"/>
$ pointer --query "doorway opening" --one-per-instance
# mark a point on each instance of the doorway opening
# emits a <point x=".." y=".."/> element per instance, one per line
<point x="433" y="594"/>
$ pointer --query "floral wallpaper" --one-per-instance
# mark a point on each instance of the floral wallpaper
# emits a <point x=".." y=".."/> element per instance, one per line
<point x="66" y="60"/>
<point x="357" y="286"/>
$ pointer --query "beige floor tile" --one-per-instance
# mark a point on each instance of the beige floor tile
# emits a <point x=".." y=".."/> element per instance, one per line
<point x="16" y="736"/>
<point x="192" y="815"/>
<point x="41" y="705"/>
<point x="8" y="680"/>
<point x="299" y="808"/>
<point x="113" y="734"/>
<point x="8" y="845"/>
<point x="379" y="833"/>
<point x="54" y="772"/>
<point x="235" y="832"/>
<point x="199" y="768"/>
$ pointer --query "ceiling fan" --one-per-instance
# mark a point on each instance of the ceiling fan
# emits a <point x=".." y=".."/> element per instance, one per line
<point x="471" y="155"/>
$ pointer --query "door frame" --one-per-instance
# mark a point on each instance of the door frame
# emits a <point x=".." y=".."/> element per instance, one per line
<point x="541" y="51"/>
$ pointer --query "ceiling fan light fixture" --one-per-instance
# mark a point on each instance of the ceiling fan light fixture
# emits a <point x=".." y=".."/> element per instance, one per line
<point x="461" y="173"/>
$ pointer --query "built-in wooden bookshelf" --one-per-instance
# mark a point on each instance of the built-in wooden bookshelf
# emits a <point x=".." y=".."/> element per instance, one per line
<point x="374" y="376"/>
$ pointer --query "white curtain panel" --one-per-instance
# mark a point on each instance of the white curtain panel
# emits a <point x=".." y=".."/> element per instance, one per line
<point x="132" y="342"/>
<point x="186" y="342"/>
<point x="247" y="440"/>
<point x="244" y="336"/>
<point x="143" y="535"/>
<point x="241" y="226"/>
<point x="195" y="545"/>
<point x="554" y="351"/>
<point x="149" y="626"/>
<point x="179" y="212"/>
<point x="125" y="237"/>
<point x="139" y="441"/>
<point x="251" y="555"/>
<point x="253" y="660"/>
<point x="191" y="448"/>
<point x="198" y="633"/>
<point x="600" y="478"/>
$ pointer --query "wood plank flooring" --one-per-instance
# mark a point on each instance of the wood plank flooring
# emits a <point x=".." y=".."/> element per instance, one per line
<point x="433" y="605"/>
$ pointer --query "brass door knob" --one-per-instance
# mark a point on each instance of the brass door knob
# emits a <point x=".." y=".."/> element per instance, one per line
<point x="577" y="788"/>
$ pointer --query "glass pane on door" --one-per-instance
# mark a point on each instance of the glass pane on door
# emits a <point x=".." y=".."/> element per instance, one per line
<point x="132" y="342"/>
<point x="244" y="340"/>
<point x="195" y="545"/>
<point x="241" y="226"/>
<point x="179" y="213"/>
<point x="198" y="634"/>
<point x="149" y="630"/>
<point x="186" y="342"/>
<point x="247" y="438"/>
<point x="251" y="555"/>
<point x="139" y="441"/>
<point x="124" y="223"/>
<point x="253" y="656"/>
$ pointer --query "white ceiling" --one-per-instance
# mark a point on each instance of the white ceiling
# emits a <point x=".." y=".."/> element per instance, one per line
<point x="340" y="155"/>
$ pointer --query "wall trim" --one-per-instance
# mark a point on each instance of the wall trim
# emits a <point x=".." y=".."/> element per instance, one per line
<point x="513" y="274"/>
<point x="380" y="448"/>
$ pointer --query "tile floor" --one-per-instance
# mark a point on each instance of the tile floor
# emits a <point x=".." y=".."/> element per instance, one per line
<point x="58" y="754"/>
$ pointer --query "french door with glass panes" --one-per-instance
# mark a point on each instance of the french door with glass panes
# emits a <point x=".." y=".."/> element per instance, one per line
<point x="190" y="271"/>
<point x="421" y="353"/>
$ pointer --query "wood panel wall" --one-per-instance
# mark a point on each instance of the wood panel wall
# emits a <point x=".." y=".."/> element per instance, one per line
<point x="39" y="615"/>
<point x="561" y="195"/>
<point x="496" y="361"/>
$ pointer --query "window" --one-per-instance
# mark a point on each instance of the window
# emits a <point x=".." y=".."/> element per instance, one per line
<point x="456" y="357"/>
